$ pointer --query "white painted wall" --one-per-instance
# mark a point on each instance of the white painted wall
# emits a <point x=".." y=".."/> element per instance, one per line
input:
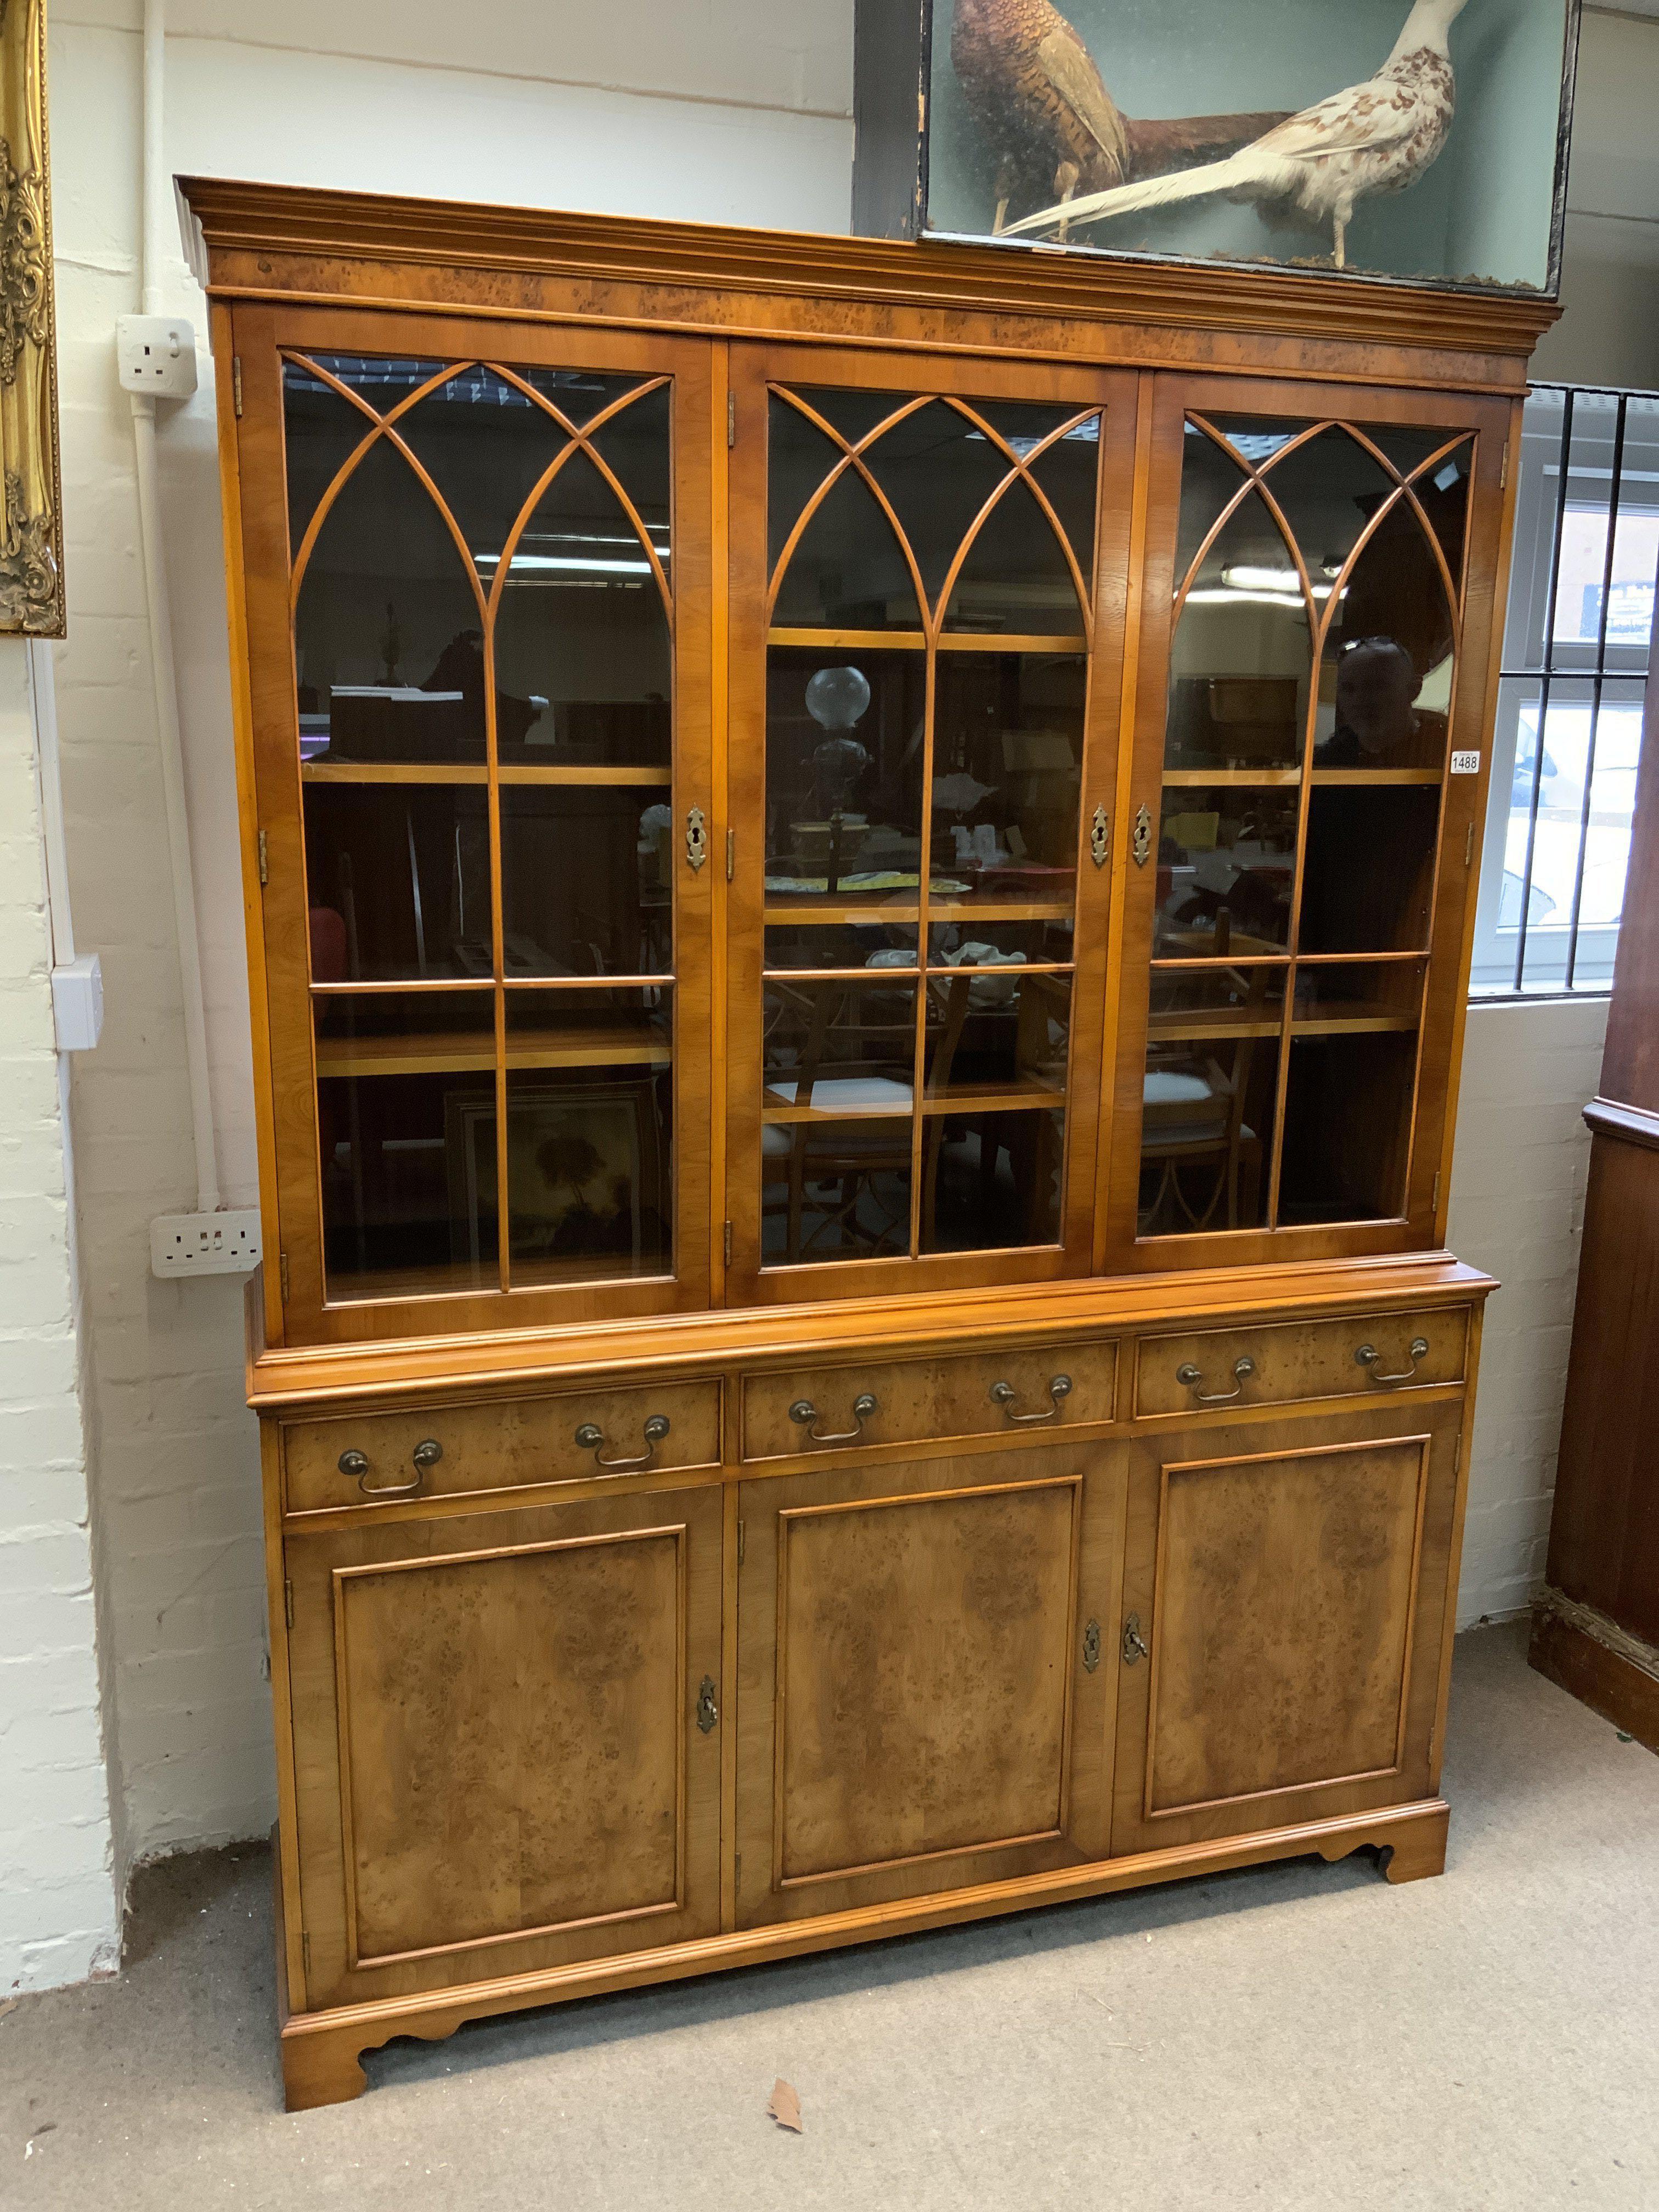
<point x="59" y="1914"/>
<point x="720" y="109"/>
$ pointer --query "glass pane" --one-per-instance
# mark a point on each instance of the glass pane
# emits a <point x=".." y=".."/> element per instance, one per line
<point x="579" y="394"/>
<point x="1194" y="1003"/>
<point x="590" y="1135"/>
<point x="1210" y="478"/>
<point x="586" y="880"/>
<point x="1368" y="881"/>
<point x="1386" y="678"/>
<point x="992" y="1181"/>
<point x="388" y="633"/>
<point x="320" y="432"/>
<point x="844" y="758"/>
<point x="583" y="651"/>
<point x="1207" y="1110"/>
<point x="841" y="945"/>
<point x="403" y="1079"/>
<point x="1347" y="1128"/>
<point x="838" y="1050"/>
<point x="798" y="457"/>
<point x="848" y="571"/>
<point x="1225" y="859"/>
<point x="1239" y="666"/>
<point x="970" y="940"/>
<point x="1444" y="494"/>
<point x="1069" y="472"/>
<point x="637" y="446"/>
<point x="834" y="1190"/>
<point x="484" y="443"/>
<point x="938" y="470"/>
<point x="1015" y="575"/>
<point x="996" y="1036"/>
<point x="1007" y="768"/>
<point x="1329" y="487"/>
<point x="398" y="878"/>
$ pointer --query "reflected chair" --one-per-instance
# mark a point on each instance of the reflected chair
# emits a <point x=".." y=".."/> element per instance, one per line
<point x="854" y="1067"/>
<point x="1193" y="1116"/>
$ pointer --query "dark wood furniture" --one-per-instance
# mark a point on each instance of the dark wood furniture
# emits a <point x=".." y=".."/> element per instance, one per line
<point x="1595" y="1628"/>
<point x="860" y="862"/>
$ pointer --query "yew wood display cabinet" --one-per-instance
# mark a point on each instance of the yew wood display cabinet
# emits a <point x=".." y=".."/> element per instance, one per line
<point x="859" y="861"/>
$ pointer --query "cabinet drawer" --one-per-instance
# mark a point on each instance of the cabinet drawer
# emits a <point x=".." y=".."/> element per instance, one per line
<point x="1368" y="1354"/>
<point x="500" y="1446"/>
<point x="915" y="1399"/>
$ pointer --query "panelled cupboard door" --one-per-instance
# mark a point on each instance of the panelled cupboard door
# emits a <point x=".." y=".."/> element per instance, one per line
<point x="474" y="563"/>
<point x="926" y="1672"/>
<point x="1284" y="1599"/>
<point x="507" y="1740"/>
<point x="929" y="566"/>
<point x="1310" y="760"/>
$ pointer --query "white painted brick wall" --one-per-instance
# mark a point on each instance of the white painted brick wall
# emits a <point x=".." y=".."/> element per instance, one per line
<point x="1517" y="1209"/>
<point x="59" y="1917"/>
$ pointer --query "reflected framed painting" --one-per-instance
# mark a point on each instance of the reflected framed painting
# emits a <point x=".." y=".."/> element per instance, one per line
<point x="1421" y="142"/>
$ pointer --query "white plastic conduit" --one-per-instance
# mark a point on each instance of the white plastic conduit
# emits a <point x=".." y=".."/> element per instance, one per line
<point x="158" y="206"/>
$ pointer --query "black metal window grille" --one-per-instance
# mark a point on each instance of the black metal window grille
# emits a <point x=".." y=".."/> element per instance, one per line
<point x="1577" y="637"/>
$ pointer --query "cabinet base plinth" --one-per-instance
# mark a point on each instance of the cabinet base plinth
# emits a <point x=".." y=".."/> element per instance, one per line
<point x="321" y="2050"/>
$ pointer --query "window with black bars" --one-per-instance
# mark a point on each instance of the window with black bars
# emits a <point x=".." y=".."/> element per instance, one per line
<point x="1576" y="641"/>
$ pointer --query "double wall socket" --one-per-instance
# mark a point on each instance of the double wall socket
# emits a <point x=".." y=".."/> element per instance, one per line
<point x="156" y="354"/>
<point x="225" y="1243"/>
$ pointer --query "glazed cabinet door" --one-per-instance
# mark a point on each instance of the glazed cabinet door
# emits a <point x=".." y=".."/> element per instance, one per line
<point x="928" y="575"/>
<point x="476" y="570"/>
<point x="506" y="1740"/>
<point x="926" y="1673"/>
<point x="1314" y="711"/>
<point x="1287" y="1609"/>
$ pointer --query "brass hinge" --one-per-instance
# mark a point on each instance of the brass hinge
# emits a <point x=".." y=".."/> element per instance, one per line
<point x="281" y="1273"/>
<point x="265" y="861"/>
<point x="731" y="854"/>
<point x="731" y="418"/>
<point x="236" y="383"/>
<point x="725" y="1242"/>
<point x="287" y="1603"/>
<point x="741" y="1540"/>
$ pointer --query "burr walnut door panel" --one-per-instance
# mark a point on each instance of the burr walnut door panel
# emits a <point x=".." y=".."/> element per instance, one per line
<point x="926" y="1676"/>
<point x="505" y="1757"/>
<point x="1285" y="1606"/>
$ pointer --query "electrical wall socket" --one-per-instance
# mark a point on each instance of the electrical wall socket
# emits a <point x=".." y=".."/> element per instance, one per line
<point x="225" y="1243"/>
<point x="156" y="354"/>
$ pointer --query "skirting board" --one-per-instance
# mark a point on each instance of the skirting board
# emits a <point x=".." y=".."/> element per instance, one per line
<point x="321" y="2049"/>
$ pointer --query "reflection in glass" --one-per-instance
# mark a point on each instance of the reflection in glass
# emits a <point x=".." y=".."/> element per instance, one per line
<point x="992" y="1181"/>
<point x="844" y="753"/>
<point x="1347" y="1128"/>
<point x="994" y="1033"/>
<point x="590" y="1129"/>
<point x="1352" y="996"/>
<point x="400" y="1078"/>
<point x="966" y="939"/>
<point x="837" y="1119"/>
<point x="1008" y="766"/>
<point x="583" y="652"/>
<point x="834" y="1190"/>
<point x="1207" y="1120"/>
<point x="1368" y="880"/>
<point x="484" y="443"/>
<point x="938" y="470"/>
<point x="1226" y="861"/>
<point x="806" y="945"/>
<point x="587" y="879"/>
<point x="321" y="429"/>
<point x="388" y="634"/>
<point x="1189" y="1004"/>
<point x="1385" y="683"/>
<point x="1327" y="488"/>
<point x="397" y="877"/>
<point x="1239" y="666"/>
<point x="848" y="571"/>
<point x="839" y="1048"/>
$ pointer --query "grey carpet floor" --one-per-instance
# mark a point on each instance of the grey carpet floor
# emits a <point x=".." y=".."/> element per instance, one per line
<point x="1290" y="2036"/>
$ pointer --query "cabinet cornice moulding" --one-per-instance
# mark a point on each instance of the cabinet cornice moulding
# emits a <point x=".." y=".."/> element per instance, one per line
<point x="250" y="240"/>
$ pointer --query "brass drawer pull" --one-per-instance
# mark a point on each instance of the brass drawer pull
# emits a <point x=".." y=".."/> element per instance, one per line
<point x="1006" y="1395"/>
<point x="804" y="1414"/>
<point x="1367" y="1355"/>
<point x="1192" y="1376"/>
<point x="592" y="1438"/>
<point x="357" y="1465"/>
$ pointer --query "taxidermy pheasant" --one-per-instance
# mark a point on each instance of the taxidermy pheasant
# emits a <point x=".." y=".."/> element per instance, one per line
<point x="1375" y="138"/>
<point x="1041" y="104"/>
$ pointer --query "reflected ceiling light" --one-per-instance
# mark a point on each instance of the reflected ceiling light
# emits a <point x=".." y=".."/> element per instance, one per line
<point x="582" y="562"/>
<point x="1243" y="578"/>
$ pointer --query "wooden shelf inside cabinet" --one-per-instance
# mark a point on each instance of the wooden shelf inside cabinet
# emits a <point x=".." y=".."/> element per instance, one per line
<point x="1231" y="778"/>
<point x="1376" y="778"/>
<point x="467" y="1052"/>
<point x="394" y="772"/>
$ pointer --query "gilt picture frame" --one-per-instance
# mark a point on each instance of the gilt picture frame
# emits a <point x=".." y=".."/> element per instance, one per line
<point x="1392" y="143"/>
<point x="31" y="515"/>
